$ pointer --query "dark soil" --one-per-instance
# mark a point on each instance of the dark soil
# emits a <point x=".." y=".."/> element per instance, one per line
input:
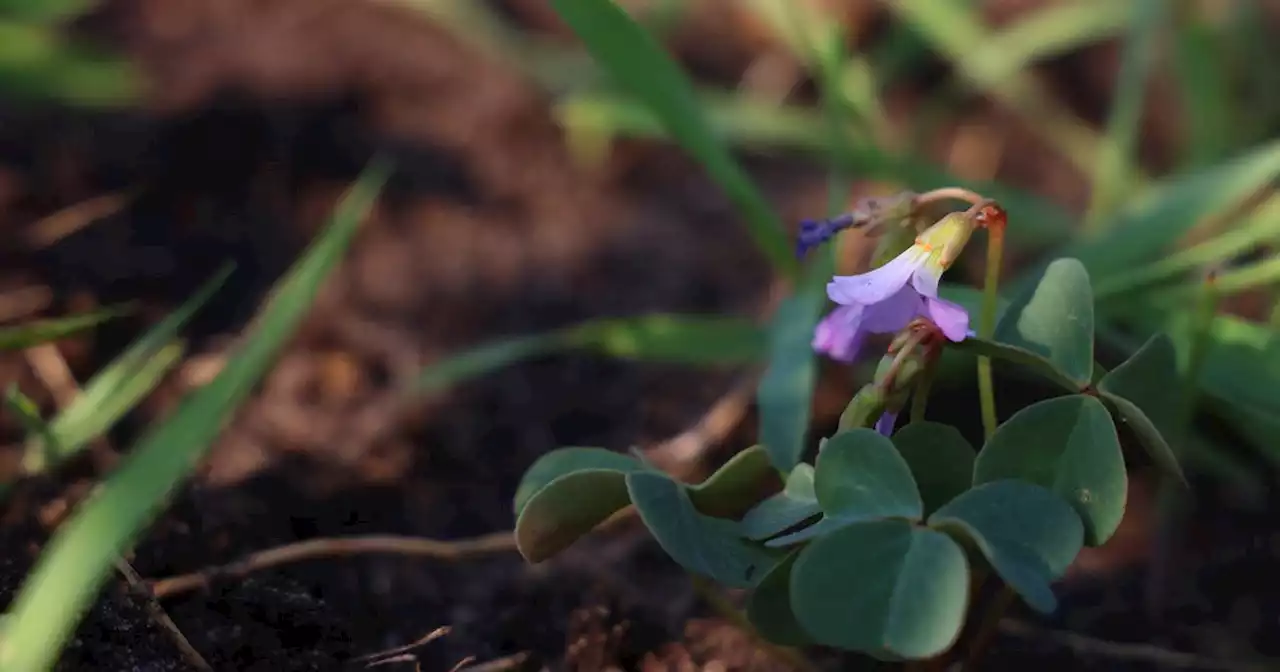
<point x="260" y="114"/>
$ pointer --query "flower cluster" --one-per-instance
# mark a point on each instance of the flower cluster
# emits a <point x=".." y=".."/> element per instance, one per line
<point x="887" y="299"/>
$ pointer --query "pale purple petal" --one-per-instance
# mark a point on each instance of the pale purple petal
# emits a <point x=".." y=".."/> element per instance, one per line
<point x="886" y="422"/>
<point x="926" y="279"/>
<point x="839" y="335"/>
<point x="950" y="318"/>
<point x="877" y="284"/>
<point x="894" y="313"/>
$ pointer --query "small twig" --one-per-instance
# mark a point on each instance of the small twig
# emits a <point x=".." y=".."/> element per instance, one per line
<point x="138" y="587"/>
<point x="401" y="653"/>
<point x="417" y="643"/>
<point x="53" y="372"/>
<point x="498" y="665"/>
<point x="312" y="549"/>
<point x="1122" y="651"/>
<point x="679" y="453"/>
<point x="50" y="229"/>
<point x="24" y="302"/>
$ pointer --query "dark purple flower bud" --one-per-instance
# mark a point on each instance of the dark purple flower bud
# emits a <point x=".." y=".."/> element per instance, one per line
<point x="816" y="232"/>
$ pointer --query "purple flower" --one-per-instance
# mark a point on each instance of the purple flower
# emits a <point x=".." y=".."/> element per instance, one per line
<point x="886" y="299"/>
<point x="886" y="422"/>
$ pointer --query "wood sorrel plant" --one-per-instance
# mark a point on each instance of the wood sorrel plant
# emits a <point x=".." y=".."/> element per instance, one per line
<point x="875" y="546"/>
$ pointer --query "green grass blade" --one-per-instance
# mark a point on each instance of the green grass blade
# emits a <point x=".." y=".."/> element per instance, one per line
<point x="684" y="339"/>
<point x="1261" y="226"/>
<point x="36" y="332"/>
<point x="36" y="62"/>
<point x="116" y="389"/>
<point x="1052" y="30"/>
<point x="27" y="413"/>
<point x="76" y="562"/>
<point x="483" y="359"/>
<point x="1117" y="157"/>
<point x="43" y="11"/>
<point x="956" y="30"/>
<point x="639" y="64"/>
<point x="1041" y="223"/>
<point x="785" y="394"/>
<point x="1200" y="60"/>
<point x="1147" y="227"/>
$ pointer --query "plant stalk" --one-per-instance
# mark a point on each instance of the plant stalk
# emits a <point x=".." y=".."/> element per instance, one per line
<point x="987" y="326"/>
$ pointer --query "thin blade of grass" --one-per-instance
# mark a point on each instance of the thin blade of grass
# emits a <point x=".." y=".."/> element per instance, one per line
<point x="1261" y="226"/>
<point x="1148" y="226"/>
<point x="956" y="30"/>
<point x="1200" y="56"/>
<point x="762" y="127"/>
<point x="1117" y="156"/>
<point x="35" y="332"/>
<point x="43" y="11"/>
<point x="27" y="413"/>
<point x="120" y="386"/>
<point x="77" y="560"/>
<point x="1052" y="30"/>
<point x="683" y="339"/>
<point x="639" y="64"/>
<point x="785" y="394"/>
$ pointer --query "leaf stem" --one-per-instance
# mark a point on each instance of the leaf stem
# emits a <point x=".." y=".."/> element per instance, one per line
<point x="990" y="624"/>
<point x="987" y="324"/>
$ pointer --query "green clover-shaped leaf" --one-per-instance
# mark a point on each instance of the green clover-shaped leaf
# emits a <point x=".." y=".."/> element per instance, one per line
<point x="940" y="458"/>
<point x="796" y="503"/>
<point x="769" y="607"/>
<point x="1048" y="328"/>
<point x="859" y="476"/>
<point x="882" y="587"/>
<point x="734" y="487"/>
<point x="700" y="543"/>
<point x="1068" y="445"/>
<point x="1028" y="534"/>
<point x="566" y="494"/>
<point x="1146" y="393"/>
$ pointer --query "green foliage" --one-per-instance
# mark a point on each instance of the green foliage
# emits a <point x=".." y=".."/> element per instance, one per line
<point x="1068" y="445"/>
<point x="797" y="503"/>
<point x="940" y="458"/>
<point x="638" y="64"/>
<point x="78" y="558"/>
<point x="1028" y="534"/>
<point x="119" y="387"/>
<point x="566" y="494"/>
<point x="702" y="544"/>
<point x="685" y="339"/>
<point x="785" y="395"/>
<point x="884" y="588"/>
<point x="769" y="606"/>
<point x="36" y="332"/>
<point x="732" y="489"/>
<point x="1054" y="322"/>
<point x="1145" y="393"/>
<point x="38" y="62"/>
<point x="861" y="476"/>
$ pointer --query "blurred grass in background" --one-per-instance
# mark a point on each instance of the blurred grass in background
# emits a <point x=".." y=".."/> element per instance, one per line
<point x="1148" y="236"/>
